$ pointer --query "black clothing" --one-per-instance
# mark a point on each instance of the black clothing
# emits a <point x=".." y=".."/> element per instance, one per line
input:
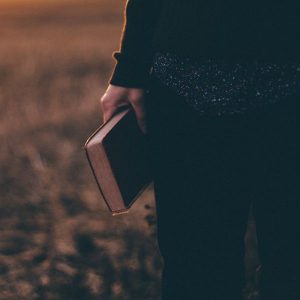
<point x="208" y="171"/>
<point x="216" y="87"/>
<point x="232" y="30"/>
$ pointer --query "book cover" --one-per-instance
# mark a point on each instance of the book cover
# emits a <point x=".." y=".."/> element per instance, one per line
<point x="118" y="155"/>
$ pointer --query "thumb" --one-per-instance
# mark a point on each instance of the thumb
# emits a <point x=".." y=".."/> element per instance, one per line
<point x="140" y="112"/>
<point x="112" y="110"/>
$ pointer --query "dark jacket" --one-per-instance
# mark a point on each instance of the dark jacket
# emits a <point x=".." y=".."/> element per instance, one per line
<point x="231" y="30"/>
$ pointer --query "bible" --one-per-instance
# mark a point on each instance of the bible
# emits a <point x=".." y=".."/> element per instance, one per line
<point x="119" y="158"/>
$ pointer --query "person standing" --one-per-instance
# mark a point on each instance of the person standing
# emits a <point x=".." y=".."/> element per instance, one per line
<point x="215" y="88"/>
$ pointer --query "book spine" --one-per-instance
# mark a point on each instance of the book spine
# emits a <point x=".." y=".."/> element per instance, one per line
<point x="105" y="180"/>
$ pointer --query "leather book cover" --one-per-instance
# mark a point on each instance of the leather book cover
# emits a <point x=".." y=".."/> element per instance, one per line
<point x="118" y="155"/>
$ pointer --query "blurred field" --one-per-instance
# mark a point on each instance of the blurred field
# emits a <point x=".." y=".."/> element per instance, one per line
<point x="57" y="239"/>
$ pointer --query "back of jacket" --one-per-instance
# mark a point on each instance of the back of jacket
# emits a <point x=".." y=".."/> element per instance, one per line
<point x="231" y="30"/>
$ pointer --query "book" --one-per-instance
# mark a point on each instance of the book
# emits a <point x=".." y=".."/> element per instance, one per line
<point x="119" y="157"/>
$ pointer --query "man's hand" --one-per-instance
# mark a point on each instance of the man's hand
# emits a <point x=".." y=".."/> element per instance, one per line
<point x="116" y="96"/>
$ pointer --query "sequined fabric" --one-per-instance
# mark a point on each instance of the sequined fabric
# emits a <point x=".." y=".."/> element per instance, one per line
<point x="214" y="87"/>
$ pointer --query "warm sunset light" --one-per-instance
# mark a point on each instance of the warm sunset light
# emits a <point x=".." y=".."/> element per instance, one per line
<point x="8" y="3"/>
<point x="15" y="2"/>
<point x="54" y="64"/>
<point x="34" y="1"/>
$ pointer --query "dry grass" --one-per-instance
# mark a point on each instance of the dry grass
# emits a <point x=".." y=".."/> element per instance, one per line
<point x="57" y="239"/>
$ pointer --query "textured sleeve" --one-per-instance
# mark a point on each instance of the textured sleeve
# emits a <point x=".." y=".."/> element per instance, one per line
<point x="134" y="57"/>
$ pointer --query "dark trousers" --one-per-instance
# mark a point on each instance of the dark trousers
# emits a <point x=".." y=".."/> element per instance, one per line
<point x="207" y="173"/>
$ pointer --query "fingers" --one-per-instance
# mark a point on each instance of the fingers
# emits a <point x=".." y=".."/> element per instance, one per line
<point x="138" y="105"/>
<point x="116" y="96"/>
<point x="108" y="112"/>
<point x="109" y="107"/>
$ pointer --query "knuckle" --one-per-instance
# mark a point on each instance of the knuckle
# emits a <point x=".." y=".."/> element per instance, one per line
<point x="135" y="99"/>
<point x="103" y="97"/>
<point x="105" y="101"/>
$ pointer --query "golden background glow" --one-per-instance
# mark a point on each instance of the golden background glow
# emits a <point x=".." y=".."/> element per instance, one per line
<point x="57" y="238"/>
